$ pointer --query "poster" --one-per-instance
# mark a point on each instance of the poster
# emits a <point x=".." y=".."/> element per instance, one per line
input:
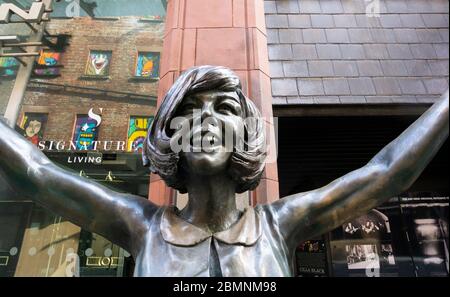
<point x="48" y="63"/>
<point x="362" y="256"/>
<point x="365" y="247"/>
<point x="8" y="67"/>
<point x="98" y="63"/>
<point x="137" y="132"/>
<point x="426" y="222"/>
<point x="86" y="132"/>
<point x="311" y="258"/>
<point x="33" y="126"/>
<point x="147" y="65"/>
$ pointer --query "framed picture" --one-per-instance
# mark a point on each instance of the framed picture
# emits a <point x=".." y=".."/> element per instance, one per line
<point x="98" y="63"/>
<point x="137" y="132"/>
<point x="48" y="63"/>
<point x="8" y="66"/>
<point x="33" y="126"/>
<point x="85" y="133"/>
<point x="147" y="65"/>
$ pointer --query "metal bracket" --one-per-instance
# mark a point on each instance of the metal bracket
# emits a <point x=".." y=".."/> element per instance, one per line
<point x="31" y="27"/>
<point x="21" y="61"/>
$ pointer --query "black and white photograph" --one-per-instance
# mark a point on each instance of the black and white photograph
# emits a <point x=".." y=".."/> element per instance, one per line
<point x="387" y="254"/>
<point x="363" y="256"/>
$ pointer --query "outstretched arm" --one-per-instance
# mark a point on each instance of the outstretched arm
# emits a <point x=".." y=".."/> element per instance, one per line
<point x="116" y="216"/>
<point x="392" y="171"/>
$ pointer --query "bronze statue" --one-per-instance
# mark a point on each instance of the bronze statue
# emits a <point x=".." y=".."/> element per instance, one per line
<point x="211" y="237"/>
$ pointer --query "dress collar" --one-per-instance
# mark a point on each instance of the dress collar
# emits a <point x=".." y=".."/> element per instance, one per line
<point x="246" y="231"/>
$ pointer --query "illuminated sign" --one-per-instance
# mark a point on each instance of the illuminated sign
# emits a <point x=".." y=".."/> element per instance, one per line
<point x="85" y="137"/>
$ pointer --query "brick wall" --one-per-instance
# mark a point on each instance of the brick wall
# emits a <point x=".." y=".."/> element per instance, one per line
<point x="124" y="37"/>
<point x="330" y="52"/>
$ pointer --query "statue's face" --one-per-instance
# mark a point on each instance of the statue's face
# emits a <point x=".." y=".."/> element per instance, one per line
<point x="210" y="114"/>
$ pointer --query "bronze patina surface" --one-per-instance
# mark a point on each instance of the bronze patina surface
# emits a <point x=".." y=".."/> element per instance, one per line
<point x="210" y="236"/>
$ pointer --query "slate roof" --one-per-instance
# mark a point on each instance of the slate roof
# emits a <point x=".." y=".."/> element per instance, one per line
<point x="330" y="52"/>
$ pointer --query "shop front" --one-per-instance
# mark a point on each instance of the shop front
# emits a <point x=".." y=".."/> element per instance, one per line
<point x="87" y="104"/>
<point x="37" y="242"/>
<point x="406" y="236"/>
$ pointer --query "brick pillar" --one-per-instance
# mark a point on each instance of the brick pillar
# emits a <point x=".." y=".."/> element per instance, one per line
<point x="229" y="33"/>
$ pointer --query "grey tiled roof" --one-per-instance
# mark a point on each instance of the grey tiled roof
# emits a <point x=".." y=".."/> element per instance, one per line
<point x="330" y="51"/>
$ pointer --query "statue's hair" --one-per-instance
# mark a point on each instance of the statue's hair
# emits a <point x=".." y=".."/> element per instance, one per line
<point x="247" y="163"/>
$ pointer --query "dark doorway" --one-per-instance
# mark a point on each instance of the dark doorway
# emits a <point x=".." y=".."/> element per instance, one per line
<point x="313" y="151"/>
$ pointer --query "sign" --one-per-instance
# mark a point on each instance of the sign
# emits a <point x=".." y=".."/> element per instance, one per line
<point x="85" y="137"/>
<point x="311" y="258"/>
<point x="86" y="131"/>
<point x="33" y="15"/>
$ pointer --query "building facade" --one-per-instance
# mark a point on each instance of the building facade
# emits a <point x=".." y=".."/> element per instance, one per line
<point x="348" y="75"/>
<point x="88" y="104"/>
<point x="351" y="76"/>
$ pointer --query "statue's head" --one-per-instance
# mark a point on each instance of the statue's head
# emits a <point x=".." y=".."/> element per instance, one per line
<point x="210" y="99"/>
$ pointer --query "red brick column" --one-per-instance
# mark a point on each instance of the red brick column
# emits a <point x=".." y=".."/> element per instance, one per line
<point x="230" y="33"/>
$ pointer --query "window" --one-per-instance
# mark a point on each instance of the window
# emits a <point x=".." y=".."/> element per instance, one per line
<point x="8" y="66"/>
<point x="137" y="132"/>
<point x="86" y="133"/>
<point x="48" y="63"/>
<point x="33" y="126"/>
<point x="98" y="63"/>
<point x="147" y="65"/>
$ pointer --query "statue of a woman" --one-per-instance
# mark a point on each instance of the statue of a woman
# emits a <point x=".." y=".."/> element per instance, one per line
<point x="210" y="236"/>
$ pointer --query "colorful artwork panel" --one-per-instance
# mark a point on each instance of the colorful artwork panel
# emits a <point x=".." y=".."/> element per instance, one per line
<point x="47" y="71"/>
<point x="48" y="58"/>
<point x="98" y="63"/>
<point x="147" y="65"/>
<point x="86" y="132"/>
<point x="8" y="66"/>
<point x="33" y="125"/>
<point x="47" y="63"/>
<point x="137" y="132"/>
